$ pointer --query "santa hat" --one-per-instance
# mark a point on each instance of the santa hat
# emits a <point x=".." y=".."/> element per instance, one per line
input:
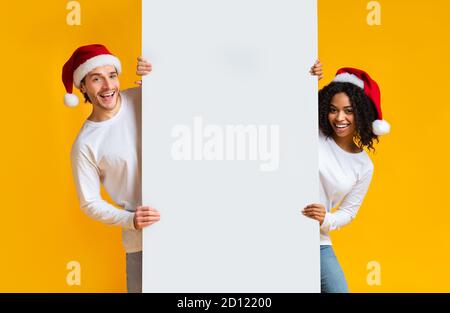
<point x="82" y="61"/>
<point x="371" y="89"/>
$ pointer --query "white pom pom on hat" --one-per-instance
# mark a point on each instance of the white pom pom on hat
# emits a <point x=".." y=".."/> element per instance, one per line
<point x="71" y="100"/>
<point x="381" y="127"/>
<point x="82" y="61"/>
<point x="362" y="80"/>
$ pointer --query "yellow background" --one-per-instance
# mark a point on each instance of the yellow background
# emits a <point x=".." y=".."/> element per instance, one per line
<point x="402" y="224"/>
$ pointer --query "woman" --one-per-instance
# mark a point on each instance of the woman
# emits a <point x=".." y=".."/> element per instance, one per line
<point x="350" y="119"/>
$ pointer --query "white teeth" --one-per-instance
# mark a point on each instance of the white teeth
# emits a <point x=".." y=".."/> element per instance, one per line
<point x="341" y="126"/>
<point x="108" y="94"/>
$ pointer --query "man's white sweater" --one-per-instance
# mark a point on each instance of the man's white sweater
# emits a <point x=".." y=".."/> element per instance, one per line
<point x="109" y="153"/>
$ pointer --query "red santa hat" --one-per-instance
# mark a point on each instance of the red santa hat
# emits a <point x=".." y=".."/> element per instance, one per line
<point x="82" y="61"/>
<point x="371" y="89"/>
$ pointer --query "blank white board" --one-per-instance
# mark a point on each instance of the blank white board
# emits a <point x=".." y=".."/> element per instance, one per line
<point x="229" y="145"/>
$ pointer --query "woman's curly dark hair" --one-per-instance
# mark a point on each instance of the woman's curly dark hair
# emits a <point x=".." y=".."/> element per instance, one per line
<point x="363" y="109"/>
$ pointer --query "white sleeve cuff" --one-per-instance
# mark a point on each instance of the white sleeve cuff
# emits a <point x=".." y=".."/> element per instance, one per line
<point x="130" y="221"/>
<point x="326" y="223"/>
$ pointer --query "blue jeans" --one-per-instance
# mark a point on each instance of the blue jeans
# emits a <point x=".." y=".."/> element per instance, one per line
<point x="332" y="279"/>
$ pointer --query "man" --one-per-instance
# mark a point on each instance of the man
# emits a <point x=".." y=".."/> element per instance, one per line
<point x="107" y="149"/>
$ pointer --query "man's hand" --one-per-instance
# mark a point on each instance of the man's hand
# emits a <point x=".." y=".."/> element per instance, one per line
<point x="145" y="216"/>
<point x="316" y="70"/>
<point x="315" y="211"/>
<point x="143" y="68"/>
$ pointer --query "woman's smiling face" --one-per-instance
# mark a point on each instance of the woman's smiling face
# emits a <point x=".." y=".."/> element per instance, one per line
<point x="341" y="116"/>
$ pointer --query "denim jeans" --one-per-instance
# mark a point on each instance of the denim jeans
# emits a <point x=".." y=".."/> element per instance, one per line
<point x="134" y="272"/>
<point x="332" y="279"/>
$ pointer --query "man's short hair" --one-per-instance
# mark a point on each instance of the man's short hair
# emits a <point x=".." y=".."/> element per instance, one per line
<point x="86" y="97"/>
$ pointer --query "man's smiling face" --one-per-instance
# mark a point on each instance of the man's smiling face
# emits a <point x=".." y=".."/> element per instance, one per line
<point x="102" y="87"/>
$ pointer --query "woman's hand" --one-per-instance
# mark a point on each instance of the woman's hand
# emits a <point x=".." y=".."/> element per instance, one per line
<point x="143" y="68"/>
<point x="316" y="70"/>
<point x="315" y="211"/>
